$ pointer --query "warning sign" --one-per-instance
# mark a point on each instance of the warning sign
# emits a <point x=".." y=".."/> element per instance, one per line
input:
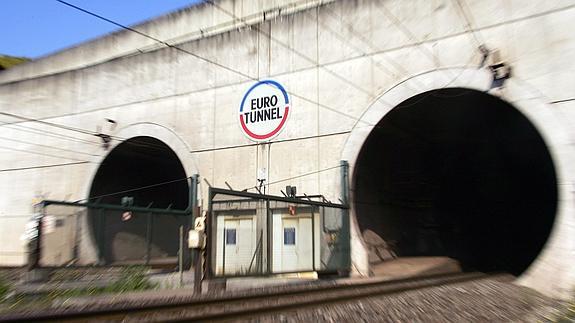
<point x="264" y="110"/>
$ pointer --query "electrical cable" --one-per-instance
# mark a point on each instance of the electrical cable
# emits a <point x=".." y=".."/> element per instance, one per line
<point x="42" y="166"/>
<point x="498" y="24"/>
<point x="69" y="128"/>
<point x="175" y="47"/>
<point x="288" y="47"/>
<point x="270" y="142"/>
<point x="294" y="177"/>
<point x="406" y="31"/>
<point x="48" y="133"/>
<point x="374" y="48"/>
<point x="179" y="49"/>
<point x="83" y="131"/>
<point x="41" y="154"/>
<point x="210" y="61"/>
<point x="155" y="39"/>
<point x="199" y="57"/>
<point x="133" y="189"/>
<point x="46" y="146"/>
<point x="470" y="24"/>
<point x="247" y="76"/>
<point x="370" y="44"/>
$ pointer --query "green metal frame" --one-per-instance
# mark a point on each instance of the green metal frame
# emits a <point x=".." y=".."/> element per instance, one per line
<point x="210" y="222"/>
<point x="190" y="212"/>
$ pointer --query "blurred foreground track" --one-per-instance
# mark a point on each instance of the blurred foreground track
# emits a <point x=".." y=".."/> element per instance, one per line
<point x="234" y="307"/>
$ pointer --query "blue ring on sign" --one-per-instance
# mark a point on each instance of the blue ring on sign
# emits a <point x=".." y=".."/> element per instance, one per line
<point x="273" y="83"/>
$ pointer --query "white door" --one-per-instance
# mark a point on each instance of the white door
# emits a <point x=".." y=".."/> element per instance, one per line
<point x="240" y="245"/>
<point x="296" y="250"/>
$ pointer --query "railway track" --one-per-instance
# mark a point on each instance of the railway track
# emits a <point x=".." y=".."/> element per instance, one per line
<point x="233" y="307"/>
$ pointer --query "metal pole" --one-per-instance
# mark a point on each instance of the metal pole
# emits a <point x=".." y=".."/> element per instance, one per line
<point x="224" y="253"/>
<point x="345" y="242"/>
<point x="269" y="238"/>
<point x="344" y="181"/>
<point x="195" y="253"/>
<point x="181" y="256"/>
<point x="193" y="203"/>
<point x="102" y="237"/>
<point x="313" y="239"/>
<point x="197" y="271"/>
<point x="35" y="245"/>
<point x="148" y="238"/>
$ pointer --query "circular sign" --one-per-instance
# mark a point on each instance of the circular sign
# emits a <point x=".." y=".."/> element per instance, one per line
<point x="264" y="110"/>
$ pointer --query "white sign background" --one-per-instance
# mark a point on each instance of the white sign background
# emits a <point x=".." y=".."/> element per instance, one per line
<point x="264" y="130"/>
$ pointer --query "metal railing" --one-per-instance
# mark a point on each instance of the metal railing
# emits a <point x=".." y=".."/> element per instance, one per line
<point x="255" y="234"/>
<point x="71" y="233"/>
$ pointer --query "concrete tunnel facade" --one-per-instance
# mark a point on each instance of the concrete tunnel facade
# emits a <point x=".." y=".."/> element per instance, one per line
<point x="398" y="87"/>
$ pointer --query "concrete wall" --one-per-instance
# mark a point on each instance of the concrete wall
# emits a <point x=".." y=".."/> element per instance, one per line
<point x="344" y="63"/>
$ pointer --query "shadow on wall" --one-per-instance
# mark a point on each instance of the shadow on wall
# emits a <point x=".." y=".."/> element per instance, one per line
<point x="135" y="163"/>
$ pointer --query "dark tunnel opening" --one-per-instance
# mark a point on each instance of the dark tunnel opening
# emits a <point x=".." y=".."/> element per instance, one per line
<point x="461" y="174"/>
<point x="140" y="162"/>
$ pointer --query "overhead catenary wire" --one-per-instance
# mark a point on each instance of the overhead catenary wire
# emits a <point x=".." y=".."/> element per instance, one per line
<point x="478" y="29"/>
<point x="79" y="130"/>
<point x="169" y="45"/>
<point x="151" y="145"/>
<point x="69" y="128"/>
<point x="406" y="31"/>
<point x="294" y="177"/>
<point x="271" y="182"/>
<point x="468" y="17"/>
<point x="195" y="55"/>
<point x="42" y="166"/>
<point x="46" y="146"/>
<point x="418" y="44"/>
<point x="364" y="40"/>
<point x="247" y="76"/>
<point x="39" y="153"/>
<point x="140" y="188"/>
<point x="87" y="132"/>
<point x="375" y="48"/>
<point x="44" y="132"/>
<point x="290" y="48"/>
<point x="203" y="58"/>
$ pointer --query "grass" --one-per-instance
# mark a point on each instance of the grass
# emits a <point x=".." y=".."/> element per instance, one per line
<point x="568" y="315"/>
<point x="130" y="279"/>
<point x="4" y="289"/>
<point x="9" y="61"/>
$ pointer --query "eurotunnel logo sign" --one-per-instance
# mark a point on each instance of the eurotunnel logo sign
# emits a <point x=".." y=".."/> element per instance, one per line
<point x="264" y="110"/>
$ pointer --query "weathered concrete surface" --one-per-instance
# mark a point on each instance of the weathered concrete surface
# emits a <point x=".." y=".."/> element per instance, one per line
<point x="345" y="64"/>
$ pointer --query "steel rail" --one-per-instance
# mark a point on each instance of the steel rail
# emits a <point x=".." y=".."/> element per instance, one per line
<point x="233" y="307"/>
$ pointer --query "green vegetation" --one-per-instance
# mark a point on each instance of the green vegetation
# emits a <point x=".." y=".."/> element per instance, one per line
<point x="568" y="315"/>
<point x="131" y="279"/>
<point x="9" y="61"/>
<point x="4" y="289"/>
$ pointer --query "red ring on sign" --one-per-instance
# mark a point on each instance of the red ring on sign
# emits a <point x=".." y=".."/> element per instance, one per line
<point x="256" y="136"/>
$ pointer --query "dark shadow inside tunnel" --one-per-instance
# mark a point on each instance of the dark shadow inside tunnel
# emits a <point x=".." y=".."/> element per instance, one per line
<point x="461" y="174"/>
<point x="135" y="167"/>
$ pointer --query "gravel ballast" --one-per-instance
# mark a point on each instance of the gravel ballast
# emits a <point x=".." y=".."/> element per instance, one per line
<point x="485" y="300"/>
<point x="479" y="301"/>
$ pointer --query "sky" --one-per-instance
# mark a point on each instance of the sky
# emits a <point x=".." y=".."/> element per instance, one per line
<point x="35" y="28"/>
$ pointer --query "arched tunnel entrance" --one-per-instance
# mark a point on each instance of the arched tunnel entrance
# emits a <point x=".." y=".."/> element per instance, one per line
<point x="461" y="174"/>
<point x="134" y="168"/>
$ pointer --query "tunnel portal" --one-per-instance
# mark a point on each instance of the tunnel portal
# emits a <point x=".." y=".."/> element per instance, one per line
<point x="135" y="168"/>
<point x="457" y="173"/>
